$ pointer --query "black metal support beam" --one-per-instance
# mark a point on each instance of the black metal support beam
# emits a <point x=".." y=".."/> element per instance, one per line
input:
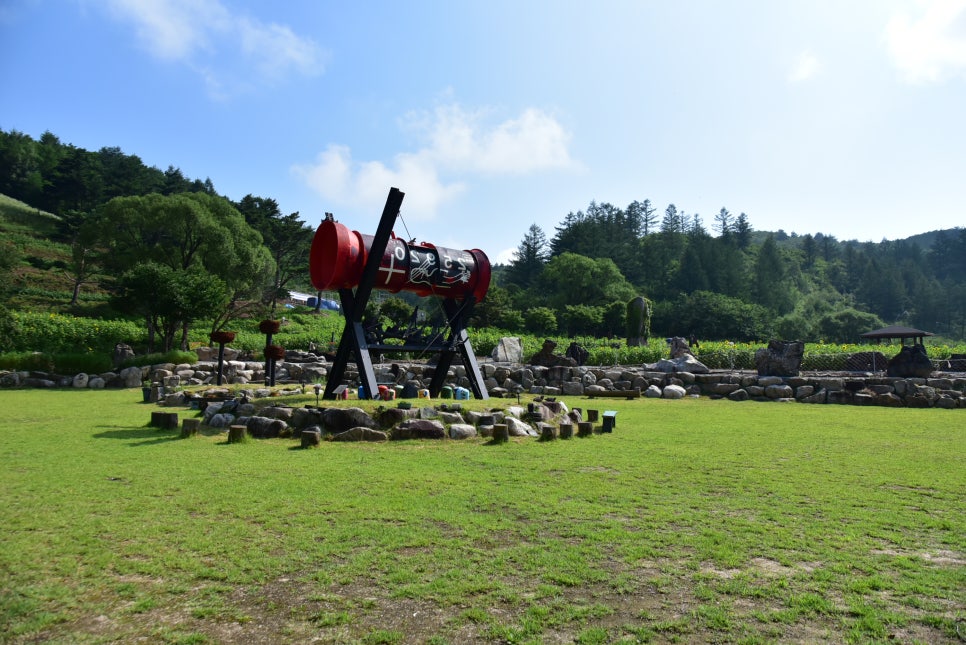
<point x="354" y="304"/>
<point x="459" y="341"/>
<point x="354" y="337"/>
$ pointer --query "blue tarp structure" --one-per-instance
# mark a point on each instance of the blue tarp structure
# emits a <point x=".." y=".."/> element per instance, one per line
<point x="331" y="305"/>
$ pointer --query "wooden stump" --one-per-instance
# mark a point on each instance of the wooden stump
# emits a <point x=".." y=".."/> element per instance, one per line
<point x="593" y="415"/>
<point x="501" y="433"/>
<point x="566" y="430"/>
<point x="311" y="438"/>
<point x="610" y="421"/>
<point x="189" y="427"/>
<point x="547" y="432"/>
<point x="585" y="429"/>
<point x="164" y="420"/>
<point x="237" y="434"/>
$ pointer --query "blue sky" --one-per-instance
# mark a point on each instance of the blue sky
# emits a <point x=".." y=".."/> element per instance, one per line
<point x="841" y="117"/>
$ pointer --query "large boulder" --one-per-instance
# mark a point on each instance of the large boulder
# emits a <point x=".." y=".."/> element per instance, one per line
<point x="508" y="350"/>
<point x="673" y="392"/>
<point x="221" y="420"/>
<point x="391" y="417"/>
<point x="131" y="377"/>
<point x="278" y="412"/>
<point x="684" y="363"/>
<point x="305" y="418"/>
<point x="518" y="428"/>
<point x="339" y="420"/>
<point x="462" y="431"/>
<point x="780" y="358"/>
<point x="361" y="433"/>
<point x="121" y="353"/>
<point x="679" y="347"/>
<point x="547" y="358"/>
<point x="266" y="428"/>
<point x="578" y="353"/>
<point x="419" y="429"/>
<point x="911" y="361"/>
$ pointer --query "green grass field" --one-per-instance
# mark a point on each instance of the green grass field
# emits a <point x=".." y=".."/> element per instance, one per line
<point x="696" y="521"/>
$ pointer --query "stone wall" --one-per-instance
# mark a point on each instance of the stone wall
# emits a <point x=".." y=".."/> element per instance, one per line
<point x="943" y="390"/>
<point x="298" y="366"/>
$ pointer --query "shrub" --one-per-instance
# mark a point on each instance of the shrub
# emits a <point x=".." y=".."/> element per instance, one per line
<point x="58" y="333"/>
<point x="540" y="320"/>
<point x="87" y="363"/>
<point x="175" y="356"/>
<point x="27" y="361"/>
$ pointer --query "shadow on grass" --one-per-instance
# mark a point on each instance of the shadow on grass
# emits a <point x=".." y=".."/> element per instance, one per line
<point x="147" y="434"/>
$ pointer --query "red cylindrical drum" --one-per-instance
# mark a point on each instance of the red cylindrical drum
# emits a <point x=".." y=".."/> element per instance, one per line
<point x="339" y="255"/>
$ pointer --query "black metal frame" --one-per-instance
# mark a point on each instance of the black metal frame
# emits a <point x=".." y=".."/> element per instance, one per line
<point x="354" y="335"/>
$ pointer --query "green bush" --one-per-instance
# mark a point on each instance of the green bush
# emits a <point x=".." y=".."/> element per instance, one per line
<point x="76" y="363"/>
<point x="540" y="320"/>
<point x="175" y="356"/>
<point x="58" y="333"/>
<point x="299" y="329"/>
<point x="27" y="361"/>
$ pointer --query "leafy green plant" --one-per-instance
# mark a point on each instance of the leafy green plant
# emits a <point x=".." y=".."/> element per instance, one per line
<point x="27" y="361"/>
<point x="59" y="333"/>
<point x="175" y="356"/>
<point x="75" y="363"/>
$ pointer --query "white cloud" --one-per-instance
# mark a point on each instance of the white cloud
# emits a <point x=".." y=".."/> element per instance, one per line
<point x="364" y="185"/>
<point x="275" y="48"/>
<point x="533" y="141"/>
<point x="210" y="40"/>
<point x="457" y="144"/>
<point x="932" y="46"/>
<point x="806" y="66"/>
<point x="506" y="256"/>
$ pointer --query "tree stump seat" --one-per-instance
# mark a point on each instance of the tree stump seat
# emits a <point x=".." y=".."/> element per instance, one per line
<point x="164" y="420"/>
<point x="189" y="427"/>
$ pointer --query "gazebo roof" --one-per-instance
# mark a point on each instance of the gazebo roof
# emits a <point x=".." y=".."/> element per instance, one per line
<point x="896" y="331"/>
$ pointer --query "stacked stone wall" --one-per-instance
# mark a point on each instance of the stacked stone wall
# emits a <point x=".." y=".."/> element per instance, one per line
<point x="943" y="390"/>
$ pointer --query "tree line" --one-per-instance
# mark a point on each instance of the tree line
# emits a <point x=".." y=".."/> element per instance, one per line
<point x="173" y="252"/>
<point x="729" y="283"/>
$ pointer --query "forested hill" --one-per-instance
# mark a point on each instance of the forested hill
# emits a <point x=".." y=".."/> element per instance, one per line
<point x="108" y="224"/>
<point x="732" y="281"/>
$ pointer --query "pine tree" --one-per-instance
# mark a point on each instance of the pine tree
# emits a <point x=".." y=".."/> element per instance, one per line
<point x="529" y="258"/>
<point x="722" y="222"/>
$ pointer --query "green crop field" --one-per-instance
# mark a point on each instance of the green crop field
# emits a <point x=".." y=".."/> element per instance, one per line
<point x="695" y="521"/>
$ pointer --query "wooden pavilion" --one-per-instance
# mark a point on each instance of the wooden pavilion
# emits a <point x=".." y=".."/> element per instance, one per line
<point x="897" y="331"/>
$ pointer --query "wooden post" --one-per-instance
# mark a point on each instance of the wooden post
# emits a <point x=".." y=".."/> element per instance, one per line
<point x="610" y="421"/>
<point x="501" y="433"/>
<point x="547" y="432"/>
<point x="221" y="361"/>
<point x="189" y="427"/>
<point x="311" y="438"/>
<point x="592" y="415"/>
<point x="585" y="429"/>
<point x="236" y="434"/>
<point x="566" y="430"/>
<point x="164" y="420"/>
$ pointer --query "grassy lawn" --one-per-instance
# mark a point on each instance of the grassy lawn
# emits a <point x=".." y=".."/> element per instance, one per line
<point x="696" y="521"/>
